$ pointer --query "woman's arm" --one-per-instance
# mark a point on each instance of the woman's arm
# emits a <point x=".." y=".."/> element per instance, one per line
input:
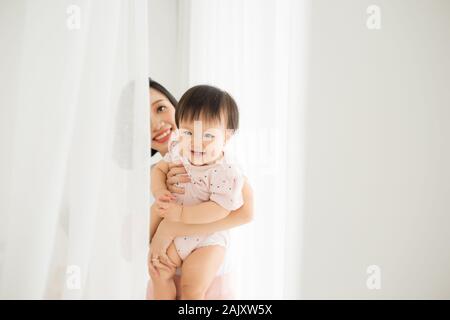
<point x="205" y="212"/>
<point x="236" y="218"/>
<point x="168" y="230"/>
<point x="155" y="220"/>
<point x="158" y="178"/>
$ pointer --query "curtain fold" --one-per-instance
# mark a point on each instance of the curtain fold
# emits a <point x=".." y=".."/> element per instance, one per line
<point x="257" y="51"/>
<point x="75" y="202"/>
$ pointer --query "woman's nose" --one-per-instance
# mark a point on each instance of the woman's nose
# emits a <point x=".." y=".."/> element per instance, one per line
<point x="157" y="123"/>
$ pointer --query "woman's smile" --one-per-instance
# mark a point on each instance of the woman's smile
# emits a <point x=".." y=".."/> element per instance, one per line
<point x="163" y="136"/>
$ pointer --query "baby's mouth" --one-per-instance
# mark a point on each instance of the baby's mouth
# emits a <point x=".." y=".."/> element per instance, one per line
<point x="197" y="153"/>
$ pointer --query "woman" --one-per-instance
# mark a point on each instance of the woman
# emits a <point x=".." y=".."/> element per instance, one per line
<point x="162" y="232"/>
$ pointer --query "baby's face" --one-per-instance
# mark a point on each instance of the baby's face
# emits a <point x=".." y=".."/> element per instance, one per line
<point x="202" y="142"/>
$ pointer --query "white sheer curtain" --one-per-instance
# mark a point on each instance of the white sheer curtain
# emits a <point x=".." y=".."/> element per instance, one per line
<point x="257" y="50"/>
<point x="74" y="149"/>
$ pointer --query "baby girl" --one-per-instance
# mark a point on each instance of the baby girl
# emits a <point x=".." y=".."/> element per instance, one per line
<point x="206" y="118"/>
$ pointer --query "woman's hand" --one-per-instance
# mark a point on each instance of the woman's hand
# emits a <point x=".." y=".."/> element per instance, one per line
<point x="162" y="239"/>
<point x="169" y="210"/>
<point x="155" y="266"/>
<point x="175" y="176"/>
<point x="165" y="207"/>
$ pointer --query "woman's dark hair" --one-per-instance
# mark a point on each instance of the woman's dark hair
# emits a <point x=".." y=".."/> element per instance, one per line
<point x="209" y="102"/>
<point x="157" y="86"/>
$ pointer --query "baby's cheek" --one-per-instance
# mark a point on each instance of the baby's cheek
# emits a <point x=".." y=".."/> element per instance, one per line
<point x="214" y="148"/>
<point x="185" y="151"/>
<point x="213" y="151"/>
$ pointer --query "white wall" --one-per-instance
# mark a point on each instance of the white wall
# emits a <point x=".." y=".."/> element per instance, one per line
<point x="378" y="151"/>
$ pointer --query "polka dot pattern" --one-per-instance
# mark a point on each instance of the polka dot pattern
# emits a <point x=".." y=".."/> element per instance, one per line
<point x="221" y="183"/>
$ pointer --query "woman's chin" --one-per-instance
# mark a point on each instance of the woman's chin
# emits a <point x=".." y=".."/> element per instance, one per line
<point x="160" y="147"/>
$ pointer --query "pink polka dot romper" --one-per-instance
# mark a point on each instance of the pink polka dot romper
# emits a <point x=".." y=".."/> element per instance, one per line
<point x="220" y="182"/>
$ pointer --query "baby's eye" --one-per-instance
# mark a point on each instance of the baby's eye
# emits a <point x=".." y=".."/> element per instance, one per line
<point x="209" y="136"/>
<point x="186" y="133"/>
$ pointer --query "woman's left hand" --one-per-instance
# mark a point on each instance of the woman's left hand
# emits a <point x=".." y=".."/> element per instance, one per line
<point x="168" y="210"/>
<point x="162" y="239"/>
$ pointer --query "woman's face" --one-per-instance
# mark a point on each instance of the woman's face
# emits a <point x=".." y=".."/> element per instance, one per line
<point x="162" y="120"/>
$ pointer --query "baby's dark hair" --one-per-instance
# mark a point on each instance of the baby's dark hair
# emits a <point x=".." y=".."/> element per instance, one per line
<point x="209" y="103"/>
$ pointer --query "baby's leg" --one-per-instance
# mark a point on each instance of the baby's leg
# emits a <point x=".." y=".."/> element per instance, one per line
<point x="164" y="285"/>
<point x="199" y="270"/>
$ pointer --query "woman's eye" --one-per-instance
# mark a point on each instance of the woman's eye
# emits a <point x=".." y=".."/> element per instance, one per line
<point x="161" y="109"/>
